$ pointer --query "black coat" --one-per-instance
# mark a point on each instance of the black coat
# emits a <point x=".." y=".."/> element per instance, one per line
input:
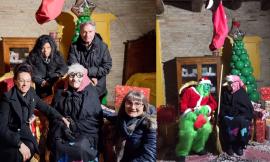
<point x="43" y="71"/>
<point x="12" y="128"/>
<point x="236" y="104"/>
<point x="97" y="60"/>
<point x="86" y="120"/>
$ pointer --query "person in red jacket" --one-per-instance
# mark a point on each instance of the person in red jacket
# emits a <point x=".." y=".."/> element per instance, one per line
<point x="196" y="105"/>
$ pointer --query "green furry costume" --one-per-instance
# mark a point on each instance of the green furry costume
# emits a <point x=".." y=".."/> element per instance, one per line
<point x="194" y="126"/>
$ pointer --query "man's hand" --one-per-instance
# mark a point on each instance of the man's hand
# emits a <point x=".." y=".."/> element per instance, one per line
<point x="94" y="81"/>
<point x="66" y="121"/>
<point x="25" y="151"/>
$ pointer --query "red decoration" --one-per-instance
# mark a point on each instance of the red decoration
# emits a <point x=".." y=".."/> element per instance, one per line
<point x="200" y="121"/>
<point x="166" y="114"/>
<point x="260" y="130"/>
<point x="122" y="91"/>
<point x="49" y="10"/>
<point x="265" y="93"/>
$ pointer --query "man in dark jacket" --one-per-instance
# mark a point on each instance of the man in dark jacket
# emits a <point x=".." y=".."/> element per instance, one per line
<point x="91" y="52"/>
<point x="17" y="143"/>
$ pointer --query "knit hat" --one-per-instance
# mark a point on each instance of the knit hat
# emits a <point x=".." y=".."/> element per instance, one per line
<point x="76" y="68"/>
<point x="205" y="80"/>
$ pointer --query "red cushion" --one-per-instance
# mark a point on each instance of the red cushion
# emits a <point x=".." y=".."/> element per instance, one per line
<point x="6" y="85"/>
<point x="121" y="92"/>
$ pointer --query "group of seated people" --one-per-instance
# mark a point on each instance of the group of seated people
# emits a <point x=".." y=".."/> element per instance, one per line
<point x="76" y="114"/>
<point x="197" y="105"/>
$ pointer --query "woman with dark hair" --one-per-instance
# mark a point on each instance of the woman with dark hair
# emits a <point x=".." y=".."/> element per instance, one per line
<point x="136" y="129"/>
<point x="47" y="63"/>
<point x="79" y="103"/>
<point x="17" y="143"/>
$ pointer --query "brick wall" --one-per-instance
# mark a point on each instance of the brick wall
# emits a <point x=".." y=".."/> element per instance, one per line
<point x="186" y="33"/>
<point x="134" y="18"/>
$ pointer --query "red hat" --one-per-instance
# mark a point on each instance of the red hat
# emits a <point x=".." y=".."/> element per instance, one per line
<point x="205" y="80"/>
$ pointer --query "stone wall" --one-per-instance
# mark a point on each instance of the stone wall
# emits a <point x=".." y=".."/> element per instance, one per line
<point x="186" y="33"/>
<point x="133" y="19"/>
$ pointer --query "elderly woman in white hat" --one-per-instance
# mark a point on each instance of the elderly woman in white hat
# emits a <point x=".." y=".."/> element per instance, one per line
<point x="80" y="104"/>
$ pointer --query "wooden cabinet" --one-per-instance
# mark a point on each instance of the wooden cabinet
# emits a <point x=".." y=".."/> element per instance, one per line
<point x="14" y="50"/>
<point x="185" y="69"/>
<point x="194" y="68"/>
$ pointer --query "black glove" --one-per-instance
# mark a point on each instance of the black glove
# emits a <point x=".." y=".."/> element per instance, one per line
<point x="68" y="134"/>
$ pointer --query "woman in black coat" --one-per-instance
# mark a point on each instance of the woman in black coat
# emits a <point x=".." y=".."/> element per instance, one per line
<point x="17" y="143"/>
<point x="136" y="129"/>
<point x="80" y="104"/>
<point x="47" y="63"/>
<point x="236" y="113"/>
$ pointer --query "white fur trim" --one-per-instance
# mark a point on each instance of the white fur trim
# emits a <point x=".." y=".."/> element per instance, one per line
<point x="205" y="82"/>
<point x="186" y="111"/>
<point x="209" y="108"/>
<point x="210" y="4"/>
<point x="76" y="68"/>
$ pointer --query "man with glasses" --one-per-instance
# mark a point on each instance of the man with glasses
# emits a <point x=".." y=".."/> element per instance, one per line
<point x="91" y="52"/>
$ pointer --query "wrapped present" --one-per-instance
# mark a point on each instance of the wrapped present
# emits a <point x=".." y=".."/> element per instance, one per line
<point x="121" y="91"/>
<point x="260" y="130"/>
<point x="265" y="93"/>
<point x="260" y="113"/>
<point x="265" y="90"/>
<point x="166" y="114"/>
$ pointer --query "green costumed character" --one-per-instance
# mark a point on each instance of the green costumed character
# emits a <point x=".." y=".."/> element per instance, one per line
<point x="194" y="127"/>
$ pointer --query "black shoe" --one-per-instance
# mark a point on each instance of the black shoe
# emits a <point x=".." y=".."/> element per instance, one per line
<point x="180" y="159"/>
<point x="203" y="152"/>
<point x="239" y="151"/>
<point x="229" y="151"/>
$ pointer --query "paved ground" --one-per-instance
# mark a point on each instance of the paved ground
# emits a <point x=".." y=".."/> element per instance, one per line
<point x="255" y="152"/>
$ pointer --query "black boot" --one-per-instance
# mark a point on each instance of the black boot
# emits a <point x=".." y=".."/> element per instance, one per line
<point x="229" y="150"/>
<point x="203" y="152"/>
<point x="180" y="159"/>
<point x="239" y="151"/>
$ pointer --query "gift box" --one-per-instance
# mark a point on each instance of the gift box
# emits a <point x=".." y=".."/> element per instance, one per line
<point x="166" y="114"/>
<point x="122" y="91"/>
<point x="265" y="93"/>
<point x="260" y="113"/>
<point x="260" y="130"/>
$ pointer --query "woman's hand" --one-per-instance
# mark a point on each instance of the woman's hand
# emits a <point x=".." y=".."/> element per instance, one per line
<point x="66" y="121"/>
<point x="94" y="81"/>
<point x="25" y="151"/>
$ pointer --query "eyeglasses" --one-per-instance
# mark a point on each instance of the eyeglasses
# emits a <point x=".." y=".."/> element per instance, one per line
<point x="24" y="81"/>
<point x="135" y="104"/>
<point x="78" y="75"/>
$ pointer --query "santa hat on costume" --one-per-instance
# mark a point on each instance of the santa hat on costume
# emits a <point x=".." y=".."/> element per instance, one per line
<point x="205" y="80"/>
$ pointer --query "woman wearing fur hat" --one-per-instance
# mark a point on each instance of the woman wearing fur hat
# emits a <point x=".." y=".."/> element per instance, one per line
<point x="79" y="103"/>
<point x="47" y="63"/>
<point x="136" y="129"/>
<point x="194" y="127"/>
<point x="236" y="113"/>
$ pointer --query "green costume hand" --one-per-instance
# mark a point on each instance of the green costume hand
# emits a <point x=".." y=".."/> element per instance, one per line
<point x="203" y="110"/>
<point x="191" y="116"/>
